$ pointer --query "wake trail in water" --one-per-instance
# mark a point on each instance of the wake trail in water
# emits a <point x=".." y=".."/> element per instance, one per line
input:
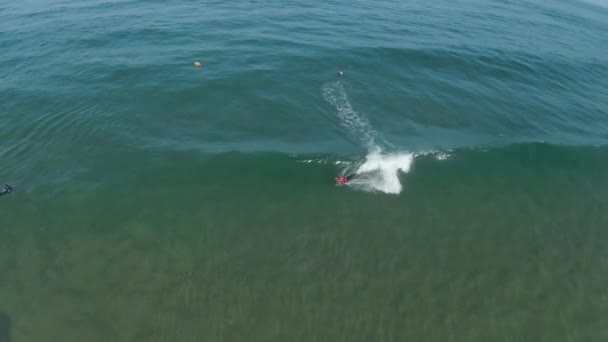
<point x="357" y="126"/>
<point x="380" y="170"/>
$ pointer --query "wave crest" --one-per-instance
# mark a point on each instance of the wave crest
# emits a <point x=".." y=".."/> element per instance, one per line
<point x="380" y="171"/>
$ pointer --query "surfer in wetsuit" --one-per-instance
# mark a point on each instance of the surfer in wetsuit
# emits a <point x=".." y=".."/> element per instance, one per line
<point x="7" y="188"/>
<point x="344" y="179"/>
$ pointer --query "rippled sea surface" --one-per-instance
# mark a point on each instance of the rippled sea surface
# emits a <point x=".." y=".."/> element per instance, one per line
<point x="158" y="201"/>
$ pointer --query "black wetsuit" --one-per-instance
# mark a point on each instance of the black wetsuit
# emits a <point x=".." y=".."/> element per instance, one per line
<point x="351" y="176"/>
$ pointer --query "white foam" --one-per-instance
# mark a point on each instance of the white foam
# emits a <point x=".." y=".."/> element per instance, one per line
<point x="380" y="171"/>
<point x="321" y="161"/>
<point x="357" y="125"/>
<point x="442" y="156"/>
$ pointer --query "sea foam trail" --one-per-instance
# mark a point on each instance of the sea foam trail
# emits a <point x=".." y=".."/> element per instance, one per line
<point x="357" y="126"/>
<point x="380" y="170"/>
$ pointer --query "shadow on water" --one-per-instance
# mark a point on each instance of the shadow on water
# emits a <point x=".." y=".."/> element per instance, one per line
<point x="5" y="327"/>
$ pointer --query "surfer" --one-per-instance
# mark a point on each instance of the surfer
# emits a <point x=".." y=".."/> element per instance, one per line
<point x="7" y="188"/>
<point x="342" y="180"/>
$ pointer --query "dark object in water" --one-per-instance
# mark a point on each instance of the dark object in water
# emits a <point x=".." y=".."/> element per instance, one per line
<point x="7" y="189"/>
<point x="5" y="327"/>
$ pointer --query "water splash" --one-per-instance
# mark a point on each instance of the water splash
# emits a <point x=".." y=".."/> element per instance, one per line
<point x="380" y="170"/>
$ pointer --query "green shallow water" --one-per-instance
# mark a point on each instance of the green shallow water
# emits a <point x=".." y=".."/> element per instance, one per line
<point x="457" y="256"/>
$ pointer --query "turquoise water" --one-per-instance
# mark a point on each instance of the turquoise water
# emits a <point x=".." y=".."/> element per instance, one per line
<point x="157" y="201"/>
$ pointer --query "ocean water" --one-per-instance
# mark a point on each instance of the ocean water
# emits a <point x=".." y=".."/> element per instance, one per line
<point x="158" y="201"/>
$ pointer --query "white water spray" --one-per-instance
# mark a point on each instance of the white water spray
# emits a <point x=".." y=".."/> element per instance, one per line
<point x="380" y="170"/>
